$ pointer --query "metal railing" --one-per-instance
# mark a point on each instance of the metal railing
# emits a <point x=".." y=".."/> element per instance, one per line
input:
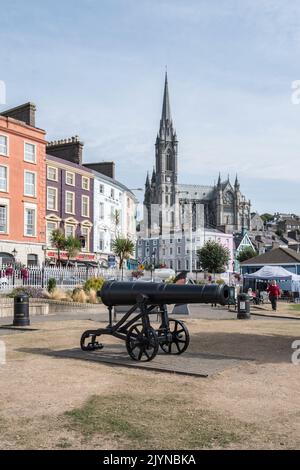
<point x="65" y="277"/>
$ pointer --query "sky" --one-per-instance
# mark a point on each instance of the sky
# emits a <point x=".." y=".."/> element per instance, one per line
<point x="96" y="68"/>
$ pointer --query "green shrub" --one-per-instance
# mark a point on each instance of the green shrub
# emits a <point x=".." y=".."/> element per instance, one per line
<point x="51" y="284"/>
<point x="33" y="292"/>
<point x="94" y="283"/>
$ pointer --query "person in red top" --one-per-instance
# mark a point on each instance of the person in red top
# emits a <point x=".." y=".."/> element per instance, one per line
<point x="274" y="294"/>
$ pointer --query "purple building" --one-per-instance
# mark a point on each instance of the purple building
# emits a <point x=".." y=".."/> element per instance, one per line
<point x="69" y="195"/>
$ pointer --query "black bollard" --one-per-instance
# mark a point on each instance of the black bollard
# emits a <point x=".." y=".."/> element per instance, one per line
<point x="21" y="310"/>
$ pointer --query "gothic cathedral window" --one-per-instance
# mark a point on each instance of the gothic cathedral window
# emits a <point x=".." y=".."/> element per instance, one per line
<point x="169" y="166"/>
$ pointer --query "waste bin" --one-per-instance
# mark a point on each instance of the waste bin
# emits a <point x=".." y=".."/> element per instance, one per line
<point x="243" y="307"/>
<point x="21" y="310"/>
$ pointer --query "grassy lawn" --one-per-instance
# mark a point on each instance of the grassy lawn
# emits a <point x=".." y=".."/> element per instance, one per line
<point x="167" y="422"/>
<point x="295" y="307"/>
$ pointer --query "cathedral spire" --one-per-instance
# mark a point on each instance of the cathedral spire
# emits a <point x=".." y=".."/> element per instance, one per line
<point x="166" y="110"/>
<point x="219" y="181"/>
<point x="236" y="183"/>
<point x="147" y="180"/>
<point x="153" y="179"/>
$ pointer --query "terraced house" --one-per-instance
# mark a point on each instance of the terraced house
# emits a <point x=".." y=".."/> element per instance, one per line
<point x="69" y="198"/>
<point x="22" y="187"/>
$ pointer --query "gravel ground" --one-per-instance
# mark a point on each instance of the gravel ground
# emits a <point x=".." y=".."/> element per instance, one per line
<point x="261" y="395"/>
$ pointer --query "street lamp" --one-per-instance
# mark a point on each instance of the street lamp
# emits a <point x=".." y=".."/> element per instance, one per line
<point x="152" y="263"/>
<point x="190" y="230"/>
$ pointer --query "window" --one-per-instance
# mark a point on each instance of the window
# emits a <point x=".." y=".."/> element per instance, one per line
<point x="70" y="202"/>
<point x="52" y="173"/>
<point x="4" y="145"/>
<point x="49" y="229"/>
<point x="32" y="260"/>
<point x="69" y="230"/>
<point x="101" y="189"/>
<point x="52" y="199"/>
<point x="85" y="203"/>
<point x="101" y="241"/>
<point x="3" y="218"/>
<point x="70" y="178"/>
<point x="101" y="210"/>
<point x="112" y="193"/>
<point x="85" y="183"/>
<point x="178" y="250"/>
<point x="128" y="202"/>
<point x="171" y="251"/>
<point x="3" y="178"/>
<point x="30" y="222"/>
<point x="30" y="153"/>
<point x="29" y="183"/>
<point x="178" y="264"/>
<point x="85" y="233"/>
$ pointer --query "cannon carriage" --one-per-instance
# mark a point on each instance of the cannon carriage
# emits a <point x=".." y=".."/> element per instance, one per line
<point x="143" y="299"/>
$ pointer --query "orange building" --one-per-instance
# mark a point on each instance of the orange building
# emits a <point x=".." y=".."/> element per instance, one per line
<point x="22" y="187"/>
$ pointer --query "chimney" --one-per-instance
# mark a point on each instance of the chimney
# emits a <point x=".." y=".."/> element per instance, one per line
<point x="106" y="168"/>
<point x="67" y="149"/>
<point x="24" y="112"/>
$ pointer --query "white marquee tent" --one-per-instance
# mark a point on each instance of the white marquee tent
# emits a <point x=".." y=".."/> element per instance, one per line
<point x="267" y="273"/>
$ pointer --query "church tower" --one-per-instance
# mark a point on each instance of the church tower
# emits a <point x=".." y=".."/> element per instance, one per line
<point x="166" y="148"/>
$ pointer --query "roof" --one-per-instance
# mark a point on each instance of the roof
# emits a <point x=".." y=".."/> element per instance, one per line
<point x="195" y="191"/>
<point x="63" y="161"/>
<point x="276" y="256"/>
<point x="102" y="177"/>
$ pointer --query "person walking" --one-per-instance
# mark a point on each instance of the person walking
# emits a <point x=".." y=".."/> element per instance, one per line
<point x="274" y="293"/>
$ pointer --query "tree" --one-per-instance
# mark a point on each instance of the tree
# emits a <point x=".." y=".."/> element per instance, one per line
<point x="123" y="248"/>
<point x="116" y="219"/>
<point x="267" y="217"/>
<point x="279" y="232"/>
<point x="58" y="241"/>
<point x="246" y="253"/>
<point x="213" y="257"/>
<point x="73" y="246"/>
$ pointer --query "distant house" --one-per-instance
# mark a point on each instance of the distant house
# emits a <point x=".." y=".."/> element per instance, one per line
<point x="283" y="257"/>
<point x="241" y="241"/>
<point x="256" y="222"/>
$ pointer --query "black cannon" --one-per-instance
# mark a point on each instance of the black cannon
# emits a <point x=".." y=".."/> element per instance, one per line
<point x="144" y="298"/>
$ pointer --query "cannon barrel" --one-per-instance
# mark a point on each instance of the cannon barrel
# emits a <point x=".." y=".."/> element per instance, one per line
<point x="156" y="293"/>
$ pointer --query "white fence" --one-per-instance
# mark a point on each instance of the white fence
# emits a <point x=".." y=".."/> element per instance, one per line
<point x="64" y="277"/>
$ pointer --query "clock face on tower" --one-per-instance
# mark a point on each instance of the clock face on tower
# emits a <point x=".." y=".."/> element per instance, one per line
<point x="168" y="179"/>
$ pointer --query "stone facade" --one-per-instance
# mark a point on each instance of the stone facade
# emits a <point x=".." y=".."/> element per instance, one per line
<point x="166" y="202"/>
<point x="114" y="214"/>
<point x="69" y="199"/>
<point x="22" y="187"/>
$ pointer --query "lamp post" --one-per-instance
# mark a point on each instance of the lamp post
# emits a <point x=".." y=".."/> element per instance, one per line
<point x="190" y="221"/>
<point x="152" y="263"/>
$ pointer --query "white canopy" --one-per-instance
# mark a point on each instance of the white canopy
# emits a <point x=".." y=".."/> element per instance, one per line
<point x="273" y="272"/>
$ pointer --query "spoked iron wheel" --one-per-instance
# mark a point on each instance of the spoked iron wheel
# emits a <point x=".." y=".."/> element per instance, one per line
<point x="88" y="342"/>
<point x="180" y="338"/>
<point x="141" y="344"/>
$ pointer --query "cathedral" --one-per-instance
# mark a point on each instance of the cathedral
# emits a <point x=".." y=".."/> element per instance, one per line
<point x="166" y="201"/>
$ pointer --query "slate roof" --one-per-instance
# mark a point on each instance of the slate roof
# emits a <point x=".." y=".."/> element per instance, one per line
<point x="196" y="191"/>
<point x="276" y="256"/>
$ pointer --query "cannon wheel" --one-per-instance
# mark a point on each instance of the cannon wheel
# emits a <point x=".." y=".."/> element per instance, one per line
<point x="92" y="345"/>
<point x="142" y="345"/>
<point x="180" y="338"/>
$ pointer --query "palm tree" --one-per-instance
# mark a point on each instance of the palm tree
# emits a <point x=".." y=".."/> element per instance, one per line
<point x="116" y="218"/>
<point x="58" y="241"/>
<point x="73" y="246"/>
<point x="123" y="248"/>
